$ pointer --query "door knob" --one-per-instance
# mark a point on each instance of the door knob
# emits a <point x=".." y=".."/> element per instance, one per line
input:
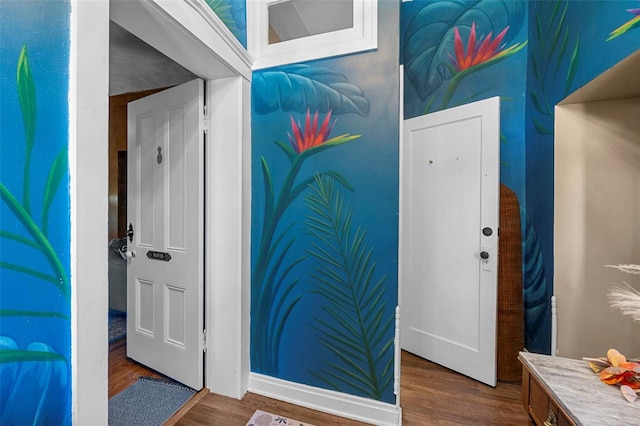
<point x="487" y="231"/>
<point x="484" y="255"/>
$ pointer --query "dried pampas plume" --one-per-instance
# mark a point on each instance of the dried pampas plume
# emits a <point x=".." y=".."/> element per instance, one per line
<point x="626" y="299"/>
<point x="629" y="269"/>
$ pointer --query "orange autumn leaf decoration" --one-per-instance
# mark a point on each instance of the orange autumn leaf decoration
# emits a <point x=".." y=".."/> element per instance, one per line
<point x="615" y="369"/>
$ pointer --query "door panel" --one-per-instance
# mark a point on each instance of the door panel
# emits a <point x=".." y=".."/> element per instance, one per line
<point x="450" y="182"/>
<point x="165" y="199"/>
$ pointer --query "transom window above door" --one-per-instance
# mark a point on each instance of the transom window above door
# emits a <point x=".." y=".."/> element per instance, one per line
<point x="290" y="31"/>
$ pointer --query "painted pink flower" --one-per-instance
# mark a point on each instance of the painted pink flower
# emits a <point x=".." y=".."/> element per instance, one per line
<point x="477" y="52"/>
<point x="635" y="11"/>
<point x="310" y="136"/>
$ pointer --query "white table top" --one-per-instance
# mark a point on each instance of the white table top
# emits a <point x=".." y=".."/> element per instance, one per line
<point x="581" y="393"/>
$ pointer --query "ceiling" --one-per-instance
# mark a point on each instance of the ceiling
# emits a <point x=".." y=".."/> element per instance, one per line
<point x="293" y="19"/>
<point x="135" y="66"/>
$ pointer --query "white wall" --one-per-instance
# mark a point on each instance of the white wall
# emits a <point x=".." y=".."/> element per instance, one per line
<point x="597" y="222"/>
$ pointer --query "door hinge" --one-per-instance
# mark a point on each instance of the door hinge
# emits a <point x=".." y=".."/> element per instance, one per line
<point x="205" y="118"/>
<point x="204" y="340"/>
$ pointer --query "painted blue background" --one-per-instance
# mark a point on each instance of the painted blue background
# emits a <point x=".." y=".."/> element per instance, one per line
<point x="369" y="163"/>
<point x="234" y="15"/>
<point x="44" y="28"/>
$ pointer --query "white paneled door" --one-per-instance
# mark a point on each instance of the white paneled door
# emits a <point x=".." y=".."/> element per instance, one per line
<point x="165" y="213"/>
<point x="449" y="237"/>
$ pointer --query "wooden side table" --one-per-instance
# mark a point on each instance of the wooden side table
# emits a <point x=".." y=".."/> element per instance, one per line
<point x="563" y="391"/>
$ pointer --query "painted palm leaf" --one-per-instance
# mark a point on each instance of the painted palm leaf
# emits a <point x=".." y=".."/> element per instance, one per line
<point x="554" y="62"/>
<point x="222" y="9"/>
<point x="535" y="282"/>
<point x="304" y="87"/>
<point x="357" y="327"/>
<point x="272" y="298"/>
<point x="429" y="37"/>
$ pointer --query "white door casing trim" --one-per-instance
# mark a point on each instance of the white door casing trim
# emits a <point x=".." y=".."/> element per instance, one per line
<point x="169" y="26"/>
<point x="200" y="42"/>
<point x="227" y="237"/>
<point x="88" y="195"/>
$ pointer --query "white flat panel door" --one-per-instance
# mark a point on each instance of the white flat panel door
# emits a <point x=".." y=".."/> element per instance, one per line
<point x="449" y="216"/>
<point x="165" y="210"/>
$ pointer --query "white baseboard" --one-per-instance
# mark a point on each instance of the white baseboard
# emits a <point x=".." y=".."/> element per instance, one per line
<point x="332" y="402"/>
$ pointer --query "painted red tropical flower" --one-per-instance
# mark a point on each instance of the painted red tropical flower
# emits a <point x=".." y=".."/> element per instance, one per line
<point x="310" y="136"/>
<point x="479" y="51"/>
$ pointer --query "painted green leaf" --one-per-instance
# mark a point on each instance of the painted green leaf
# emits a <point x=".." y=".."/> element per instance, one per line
<point x="563" y="50"/>
<point x="304" y="87"/>
<point x="537" y="103"/>
<point x="573" y="68"/>
<point x="268" y="192"/>
<point x="14" y="355"/>
<point x="37" y="314"/>
<point x="429" y="36"/>
<point x="357" y="330"/>
<point x="30" y="271"/>
<point x="288" y="150"/>
<point x="56" y="173"/>
<point x="540" y="128"/>
<point x="27" y="97"/>
<point x="61" y="280"/>
<point x="20" y="239"/>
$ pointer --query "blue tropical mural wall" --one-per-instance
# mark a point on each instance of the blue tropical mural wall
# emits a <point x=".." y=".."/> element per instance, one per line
<point x="35" y="330"/>
<point x="233" y="13"/>
<point x="455" y="52"/>
<point x="325" y="218"/>
<point x="532" y="54"/>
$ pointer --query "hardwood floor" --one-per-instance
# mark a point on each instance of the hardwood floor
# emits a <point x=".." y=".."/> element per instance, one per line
<point x="122" y="371"/>
<point x="433" y="395"/>
<point x="430" y="395"/>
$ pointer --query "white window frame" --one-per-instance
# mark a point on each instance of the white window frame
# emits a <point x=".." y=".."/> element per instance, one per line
<point x="362" y="36"/>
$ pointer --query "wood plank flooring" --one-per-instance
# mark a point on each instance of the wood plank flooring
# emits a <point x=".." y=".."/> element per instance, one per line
<point x="124" y="372"/>
<point x="430" y="395"/>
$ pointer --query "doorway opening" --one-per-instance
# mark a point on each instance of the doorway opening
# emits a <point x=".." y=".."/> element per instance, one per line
<point x="136" y="70"/>
<point x="194" y="37"/>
